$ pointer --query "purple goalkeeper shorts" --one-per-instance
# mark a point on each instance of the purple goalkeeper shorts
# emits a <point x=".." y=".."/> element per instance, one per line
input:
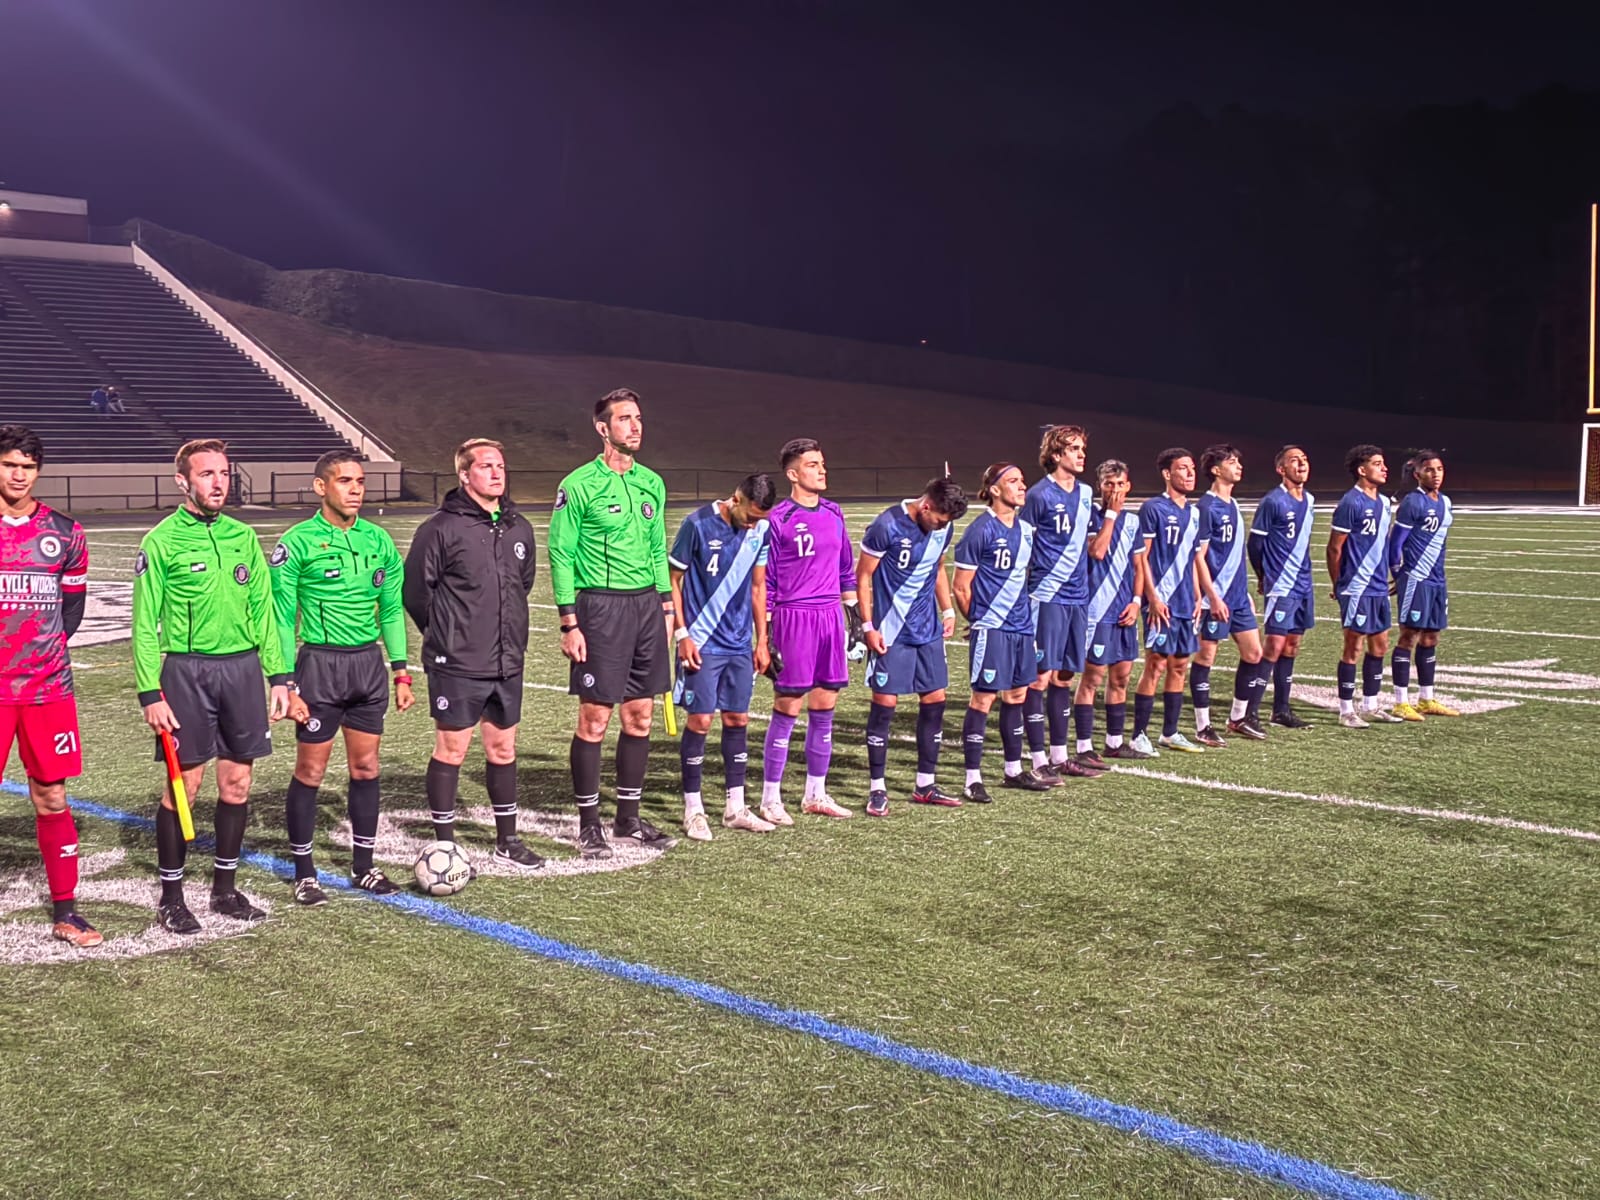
<point x="810" y="641"/>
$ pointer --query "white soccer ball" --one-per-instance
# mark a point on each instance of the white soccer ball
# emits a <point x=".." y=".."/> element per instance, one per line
<point x="442" y="869"/>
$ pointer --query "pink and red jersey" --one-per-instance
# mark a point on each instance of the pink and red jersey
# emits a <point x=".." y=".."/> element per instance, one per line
<point x="44" y="568"/>
<point x="810" y="561"/>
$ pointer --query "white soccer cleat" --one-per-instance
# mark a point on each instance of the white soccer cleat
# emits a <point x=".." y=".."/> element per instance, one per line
<point x="825" y="806"/>
<point x="1178" y="742"/>
<point x="743" y="818"/>
<point x="774" y="813"/>
<point x="1383" y="716"/>
<point x="1143" y="746"/>
<point x="1351" y="720"/>
<point x="697" y="827"/>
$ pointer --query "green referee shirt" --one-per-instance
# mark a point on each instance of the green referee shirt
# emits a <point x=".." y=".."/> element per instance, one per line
<point x="200" y="587"/>
<point x="608" y="530"/>
<point x="343" y="584"/>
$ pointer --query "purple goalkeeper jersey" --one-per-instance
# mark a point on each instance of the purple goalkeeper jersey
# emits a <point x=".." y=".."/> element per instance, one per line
<point x="810" y="561"/>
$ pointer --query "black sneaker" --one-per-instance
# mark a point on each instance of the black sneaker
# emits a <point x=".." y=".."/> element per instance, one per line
<point x="176" y="918"/>
<point x="642" y="833"/>
<point x="1248" y="728"/>
<point x="1288" y="720"/>
<point x="592" y="841"/>
<point x="514" y="851"/>
<point x="1088" y="758"/>
<point x="878" y="804"/>
<point x="1050" y="773"/>
<point x="376" y="882"/>
<point x="236" y="906"/>
<point x="1127" y="753"/>
<point x="1209" y="738"/>
<point x="935" y="795"/>
<point x="1028" y="781"/>
<point x="976" y="793"/>
<point x="307" y="891"/>
<point x="1072" y="769"/>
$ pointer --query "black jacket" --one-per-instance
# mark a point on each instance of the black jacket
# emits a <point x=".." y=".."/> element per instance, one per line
<point x="467" y="582"/>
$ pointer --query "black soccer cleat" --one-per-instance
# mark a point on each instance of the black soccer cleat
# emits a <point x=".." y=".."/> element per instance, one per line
<point x="1050" y="773"/>
<point x="592" y="841"/>
<point x="1209" y="738"/>
<point x="877" y="804"/>
<point x="1028" y="781"/>
<point x="236" y="906"/>
<point x="1090" y="759"/>
<point x="176" y="918"/>
<point x="1126" y="753"/>
<point x="514" y="850"/>
<point x="1287" y="720"/>
<point x="1072" y="769"/>
<point x="641" y="833"/>
<point x="308" y="891"/>
<point x="1248" y="728"/>
<point x="935" y="795"/>
<point x="976" y="793"/>
<point x="376" y="882"/>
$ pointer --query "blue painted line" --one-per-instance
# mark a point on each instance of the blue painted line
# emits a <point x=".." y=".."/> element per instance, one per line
<point x="1249" y="1158"/>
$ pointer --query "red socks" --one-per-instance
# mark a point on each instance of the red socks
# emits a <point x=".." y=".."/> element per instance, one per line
<point x="58" y="844"/>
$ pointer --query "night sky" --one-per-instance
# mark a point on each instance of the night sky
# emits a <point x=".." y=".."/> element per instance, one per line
<point x="841" y="167"/>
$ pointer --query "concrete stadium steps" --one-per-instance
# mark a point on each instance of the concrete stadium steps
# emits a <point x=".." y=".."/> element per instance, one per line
<point x="168" y="360"/>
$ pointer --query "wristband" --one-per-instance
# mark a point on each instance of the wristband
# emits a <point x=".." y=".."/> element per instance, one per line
<point x="680" y="635"/>
<point x="948" y="614"/>
<point x="573" y="628"/>
<point x="405" y="679"/>
<point x="866" y="627"/>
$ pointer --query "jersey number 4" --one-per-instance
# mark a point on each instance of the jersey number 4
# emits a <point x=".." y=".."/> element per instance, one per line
<point x="712" y="565"/>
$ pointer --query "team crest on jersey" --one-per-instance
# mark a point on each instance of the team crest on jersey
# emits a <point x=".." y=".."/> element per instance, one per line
<point x="280" y="555"/>
<point x="688" y="698"/>
<point x="49" y="545"/>
<point x="1160" y="639"/>
<point x="141" y="563"/>
<point x="561" y="497"/>
<point x="519" y="550"/>
<point x="1100" y="648"/>
<point x="883" y="678"/>
<point x="1361" y="619"/>
<point x="441" y="702"/>
<point x="1282" y="616"/>
<point x="1038" y="654"/>
<point x="648" y="509"/>
<point x="314" y="724"/>
<point x="988" y="675"/>
<point x="588" y="680"/>
<point x="1416" y="614"/>
<point x="241" y="574"/>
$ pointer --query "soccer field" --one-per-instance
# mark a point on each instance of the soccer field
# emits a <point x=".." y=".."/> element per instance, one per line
<point x="1371" y="953"/>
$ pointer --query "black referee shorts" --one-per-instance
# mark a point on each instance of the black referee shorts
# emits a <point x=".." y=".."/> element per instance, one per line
<point x="221" y="705"/>
<point x="626" y="633"/>
<point x="460" y="703"/>
<point x="342" y="686"/>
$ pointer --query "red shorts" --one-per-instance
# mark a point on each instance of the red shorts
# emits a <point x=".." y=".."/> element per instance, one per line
<point x="46" y="737"/>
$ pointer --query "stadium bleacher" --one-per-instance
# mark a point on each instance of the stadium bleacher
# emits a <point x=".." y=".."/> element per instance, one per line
<point x="72" y="325"/>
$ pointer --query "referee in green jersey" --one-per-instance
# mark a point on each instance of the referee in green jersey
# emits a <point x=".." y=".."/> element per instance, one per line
<point x="201" y="598"/>
<point x="608" y="566"/>
<point x="341" y="576"/>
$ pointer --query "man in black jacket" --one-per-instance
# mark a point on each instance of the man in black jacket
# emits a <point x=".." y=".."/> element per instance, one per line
<point x="468" y="575"/>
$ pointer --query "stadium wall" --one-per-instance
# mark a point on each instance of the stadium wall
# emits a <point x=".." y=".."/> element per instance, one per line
<point x="99" y="487"/>
<point x="33" y="215"/>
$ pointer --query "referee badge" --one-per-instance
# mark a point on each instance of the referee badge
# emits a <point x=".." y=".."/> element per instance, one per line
<point x="648" y="509"/>
<point x="377" y="578"/>
<point x="561" y="497"/>
<point x="141" y="563"/>
<point x="279" y="556"/>
<point x="241" y="574"/>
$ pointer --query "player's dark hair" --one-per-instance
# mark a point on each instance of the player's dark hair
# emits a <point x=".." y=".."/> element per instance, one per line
<point x="334" y="458"/>
<point x="759" y="490"/>
<point x="20" y="437"/>
<point x="1054" y="443"/>
<point x="1108" y="469"/>
<point x="1360" y="456"/>
<point x="1213" y="457"/>
<point x="604" y="405"/>
<point x="1420" y="459"/>
<point x="946" y="498"/>
<point x="1170" y="455"/>
<point x="189" y="449"/>
<point x="1284" y="452"/>
<point x="795" y="449"/>
<point x="992" y="475"/>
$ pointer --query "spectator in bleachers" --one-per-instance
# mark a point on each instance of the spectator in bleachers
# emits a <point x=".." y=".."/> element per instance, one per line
<point x="114" y="401"/>
<point x="99" y="401"/>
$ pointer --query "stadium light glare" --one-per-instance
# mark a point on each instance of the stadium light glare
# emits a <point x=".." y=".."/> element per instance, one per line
<point x="5" y="206"/>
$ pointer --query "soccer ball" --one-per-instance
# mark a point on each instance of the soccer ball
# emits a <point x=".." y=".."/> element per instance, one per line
<point x="442" y="869"/>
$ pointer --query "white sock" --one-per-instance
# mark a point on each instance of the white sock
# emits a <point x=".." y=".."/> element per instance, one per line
<point x="1113" y="740"/>
<point x="1013" y="769"/>
<point x="1085" y="745"/>
<point x="877" y="785"/>
<point x="1402" y="694"/>
<point x="974" y="776"/>
<point x="1346" y="707"/>
<point x="735" y="800"/>
<point x="1425" y="692"/>
<point x="771" y="793"/>
<point x="1040" y="758"/>
<point x="1239" y="709"/>
<point x="692" y="804"/>
<point x="1202" y="719"/>
<point x="924" y="780"/>
<point x="1369" y="703"/>
<point x="1058" y="755"/>
<point x="816" y="785"/>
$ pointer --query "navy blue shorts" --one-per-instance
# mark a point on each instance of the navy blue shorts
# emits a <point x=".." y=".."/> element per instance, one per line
<point x="909" y="669"/>
<point x="1062" y="639"/>
<point x="1365" y="614"/>
<point x="1290" y="614"/>
<point x="1113" y="643"/>
<point x="1241" y="619"/>
<point x="1176" y="639"/>
<point x="998" y="661"/>
<point x="1422" y="605"/>
<point x="724" y="683"/>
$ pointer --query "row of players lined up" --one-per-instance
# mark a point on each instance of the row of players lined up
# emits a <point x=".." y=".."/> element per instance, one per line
<point x="1051" y="579"/>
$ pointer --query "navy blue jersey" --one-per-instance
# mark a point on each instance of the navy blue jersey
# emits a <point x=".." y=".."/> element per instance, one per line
<point x="902" y="587"/>
<point x="1427" y="523"/>
<point x="1174" y="536"/>
<point x="999" y="554"/>
<point x="1063" y="522"/>
<point x="1364" y="520"/>
<point x="717" y="560"/>
<point x="1111" y="578"/>
<point x="1282" y="545"/>
<point x="1225" y="557"/>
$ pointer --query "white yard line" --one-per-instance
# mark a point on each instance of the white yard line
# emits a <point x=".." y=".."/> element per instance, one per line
<point x="1455" y="566"/>
<point x="1584" y="637"/>
<point x="1520" y="595"/>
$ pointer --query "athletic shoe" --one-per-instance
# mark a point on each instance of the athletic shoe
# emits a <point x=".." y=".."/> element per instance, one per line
<point x="1027" y="781"/>
<point x="1432" y="708"/>
<point x="1209" y="738"/>
<point x="376" y="882"/>
<point x="1248" y="728"/>
<point x="877" y="804"/>
<point x="75" y="931"/>
<point x="1143" y="746"/>
<point x="592" y="841"/>
<point x="236" y="906"/>
<point x="825" y="806"/>
<point x="1073" y="769"/>
<point x="1287" y="720"/>
<point x="1408" y="712"/>
<point x="1127" y="752"/>
<point x="176" y="918"/>
<point x="309" y="892"/>
<point x="774" y="813"/>
<point x="1178" y="742"/>
<point x="1050" y="774"/>
<point x="1381" y="716"/>
<point x="697" y="827"/>
<point x="976" y="793"/>
<point x="1352" y="720"/>
<point x="1088" y="758"/>
<point x="935" y="795"/>
<point x="515" y="851"/>
<point x="743" y="818"/>
<point x="642" y="833"/>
